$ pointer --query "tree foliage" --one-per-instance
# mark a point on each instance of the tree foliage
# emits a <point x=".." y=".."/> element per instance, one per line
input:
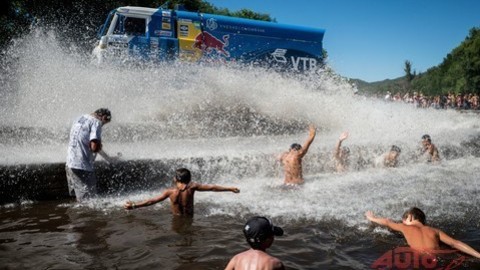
<point x="458" y="73"/>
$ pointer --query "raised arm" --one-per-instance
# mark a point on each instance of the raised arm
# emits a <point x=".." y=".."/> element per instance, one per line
<point x="308" y="142"/>
<point x="204" y="187"/>
<point x="384" y="222"/>
<point x="132" y="205"/>
<point x="342" y="137"/>
<point x="458" y="245"/>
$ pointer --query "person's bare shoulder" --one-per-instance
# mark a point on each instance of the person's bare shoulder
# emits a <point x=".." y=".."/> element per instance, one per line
<point x="276" y="264"/>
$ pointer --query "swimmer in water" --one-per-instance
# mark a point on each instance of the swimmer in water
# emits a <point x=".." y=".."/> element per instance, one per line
<point x="181" y="196"/>
<point x="429" y="150"/>
<point x="419" y="236"/>
<point x="390" y="159"/>
<point x="292" y="159"/>
<point x="259" y="233"/>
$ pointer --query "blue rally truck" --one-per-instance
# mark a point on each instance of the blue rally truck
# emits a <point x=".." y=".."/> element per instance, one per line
<point x="153" y="34"/>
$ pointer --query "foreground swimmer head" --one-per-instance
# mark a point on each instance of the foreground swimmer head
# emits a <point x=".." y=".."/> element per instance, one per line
<point x="181" y="195"/>
<point x="292" y="159"/>
<point x="420" y="236"/>
<point x="260" y="234"/>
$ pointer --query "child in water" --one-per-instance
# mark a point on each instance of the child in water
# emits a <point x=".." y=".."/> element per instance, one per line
<point x="181" y="196"/>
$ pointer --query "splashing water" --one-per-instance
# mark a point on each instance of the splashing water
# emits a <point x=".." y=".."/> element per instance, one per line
<point x="187" y="110"/>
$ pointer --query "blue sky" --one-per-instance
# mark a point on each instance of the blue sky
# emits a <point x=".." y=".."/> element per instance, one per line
<point x="371" y="39"/>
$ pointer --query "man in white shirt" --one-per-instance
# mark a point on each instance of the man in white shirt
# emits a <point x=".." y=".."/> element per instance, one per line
<point x="85" y="142"/>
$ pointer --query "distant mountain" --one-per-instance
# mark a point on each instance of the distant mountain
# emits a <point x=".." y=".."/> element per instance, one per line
<point x="380" y="87"/>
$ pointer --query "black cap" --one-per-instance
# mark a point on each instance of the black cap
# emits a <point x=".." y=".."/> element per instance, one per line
<point x="258" y="229"/>
<point x="426" y="137"/>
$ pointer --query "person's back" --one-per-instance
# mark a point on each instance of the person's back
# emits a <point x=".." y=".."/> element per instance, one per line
<point x="181" y="195"/>
<point x="292" y="160"/>
<point x="259" y="233"/>
<point x="421" y="237"/>
<point x="254" y="259"/>
<point x="292" y="163"/>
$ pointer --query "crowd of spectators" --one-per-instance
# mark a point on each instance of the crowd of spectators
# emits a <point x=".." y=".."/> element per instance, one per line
<point x="468" y="101"/>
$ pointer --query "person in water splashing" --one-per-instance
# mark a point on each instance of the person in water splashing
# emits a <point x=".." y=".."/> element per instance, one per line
<point x="341" y="154"/>
<point x="84" y="144"/>
<point x="419" y="236"/>
<point x="390" y="158"/>
<point x="292" y="160"/>
<point x="429" y="150"/>
<point x="181" y="196"/>
<point x="259" y="233"/>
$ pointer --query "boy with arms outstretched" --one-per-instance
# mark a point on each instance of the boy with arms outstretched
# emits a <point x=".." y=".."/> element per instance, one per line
<point x="419" y="236"/>
<point x="181" y="196"/>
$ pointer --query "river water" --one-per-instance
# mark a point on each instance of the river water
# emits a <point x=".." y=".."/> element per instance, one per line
<point x="244" y="117"/>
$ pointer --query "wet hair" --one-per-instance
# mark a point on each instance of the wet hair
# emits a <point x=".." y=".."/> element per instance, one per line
<point x="416" y="213"/>
<point x="104" y="112"/>
<point x="295" y="146"/>
<point x="346" y="150"/>
<point x="183" y="175"/>
<point x="395" y="149"/>
<point x="427" y="138"/>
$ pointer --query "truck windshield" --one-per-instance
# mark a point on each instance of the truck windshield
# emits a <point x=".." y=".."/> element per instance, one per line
<point x="130" y="26"/>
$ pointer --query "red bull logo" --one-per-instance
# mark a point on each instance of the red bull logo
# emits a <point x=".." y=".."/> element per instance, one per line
<point x="208" y="43"/>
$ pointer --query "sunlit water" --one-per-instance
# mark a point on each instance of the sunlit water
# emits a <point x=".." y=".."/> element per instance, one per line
<point x="246" y="116"/>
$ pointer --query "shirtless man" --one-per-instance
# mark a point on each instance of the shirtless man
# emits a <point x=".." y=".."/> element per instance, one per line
<point x="341" y="154"/>
<point x="429" y="149"/>
<point x="390" y="159"/>
<point x="419" y="236"/>
<point x="259" y="233"/>
<point x="292" y="160"/>
<point x="181" y="196"/>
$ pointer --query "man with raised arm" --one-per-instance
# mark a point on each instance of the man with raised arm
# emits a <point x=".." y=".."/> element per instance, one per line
<point x="292" y="159"/>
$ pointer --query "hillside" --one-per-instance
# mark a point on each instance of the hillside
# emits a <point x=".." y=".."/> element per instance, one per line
<point x="458" y="73"/>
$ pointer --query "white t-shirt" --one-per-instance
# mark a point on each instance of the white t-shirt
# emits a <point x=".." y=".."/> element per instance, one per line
<point x="84" y="130"/>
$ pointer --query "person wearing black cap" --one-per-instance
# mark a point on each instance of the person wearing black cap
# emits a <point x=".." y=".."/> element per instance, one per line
<point x="84" y="144"/>
<point x="429" y="150"/>
<point x="292" y="160"/>
<point x="259" y="233"/>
